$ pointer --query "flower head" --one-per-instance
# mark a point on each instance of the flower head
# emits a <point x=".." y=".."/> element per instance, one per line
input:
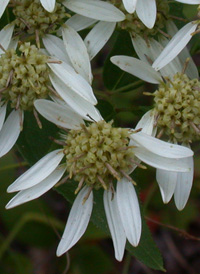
<point x="176" y="111"/>
<point x="26" y="74"/>
<point x="96" y="154"/>
<point x="48" y="5"/>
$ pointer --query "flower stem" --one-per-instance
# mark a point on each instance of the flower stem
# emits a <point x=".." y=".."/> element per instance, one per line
<point x="127" y="263"/>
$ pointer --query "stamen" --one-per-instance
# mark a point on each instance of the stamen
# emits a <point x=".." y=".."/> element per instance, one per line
<point x="10" y="76"/>
<point x="37" y="38"/>
<point x="195" y="127"/>
<point x="54" y="91"/>
<point x="76" y="157"/>
<point x="125" y="148"/>
<point x="185" y="65"/>
<point x="64" y="180"/>
<point x="102" y="182"/>
<point x="87" y="195"/>
<point x="85" y="129"/>
<point x="160" y="134"/>
<point x="149" y="60"/>
<point x="112" y="171"/>
<point x="25" y="23"/>
<point x="1" y="47"/>
<point x="21" y="119"/>
<point x="178" y="18"/>
<point x="54" y="61"/>
<point x="37" y="118"/>
<point x="59" y="142"/>
<point x="128" y="177"/>
<point x="80" y="185"/>
<point x="18" y="102"/>
<point x="148" y="93"/>
<point x="138" y="164"/>
<point x="84" y="168"/>
<point x="164" y="33"/>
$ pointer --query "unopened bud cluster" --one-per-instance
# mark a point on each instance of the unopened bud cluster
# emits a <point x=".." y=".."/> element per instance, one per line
<point x="134" y="25"/>
<point x="24" y="77"/>
<point x="177" y="105"/>
<point x="98" y="152"/>
<point x="31" y="16"/>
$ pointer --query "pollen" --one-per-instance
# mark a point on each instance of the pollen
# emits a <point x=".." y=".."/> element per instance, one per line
<point x="97" y="154"/>
<point x="177" y="105"/>
<point x="23" y="76"/>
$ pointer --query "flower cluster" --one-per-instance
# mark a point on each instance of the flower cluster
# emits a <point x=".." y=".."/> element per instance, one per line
<point x="45" y="68"/>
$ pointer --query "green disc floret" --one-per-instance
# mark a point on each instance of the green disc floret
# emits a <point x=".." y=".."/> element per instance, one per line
<point x="24" y="77"/>
<point x="31" y="16"/>
<point x="98" y="152"/>
<point x="134" y="25"/>
<point x="177" y="105"/>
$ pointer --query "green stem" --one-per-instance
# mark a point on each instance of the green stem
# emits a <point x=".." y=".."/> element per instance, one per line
<point x="149" y="196"/>
<point x="132" y="85"/>
<point x="127" y="264"/>
<point x="25" y="219"/>
<point x="8" y="15"/>
<point x="13" y="166"/>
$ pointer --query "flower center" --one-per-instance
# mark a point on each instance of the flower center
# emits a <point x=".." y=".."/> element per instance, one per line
<point x="178" y="108"/>
<point x="32" y="17"/>
<point x="133" y="24"/>
<point x="97" y="153"/>
<point x="23" y="78"/>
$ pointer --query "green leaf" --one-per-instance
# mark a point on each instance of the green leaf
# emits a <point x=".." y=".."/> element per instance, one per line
<point x="147" y="252"/>
<point x="114" y="77"/>
<point x="34" y="142"/>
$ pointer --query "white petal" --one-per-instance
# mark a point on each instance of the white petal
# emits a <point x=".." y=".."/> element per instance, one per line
<point x="13" y="43"/>
<point x="184" y="185"/>
<point x="79" y="22"/>
<point x="147" y="123"/>
<point x="160" y="147"/>
<point x="95" y="9"/>
<point x="48" y="4"/>
<point x="77" y="52"/>
<point x="137" y="68"/>
<point x="76" y="102"/>
<point x="130" y="5"/>
<point x="142" y="49"/>
<point x="58" y="114"/>
<point x="115" y="224"/>
<point x="146" y="11"/>
<point x="37" y="190"/>
<point x="38" y="172"/>
<point x="74" y="81"/>
<point x="129" y="210"/>
<point x="56" y="47"/>
<point x="4" y="4"/>
<point x="191" y="2"/>
<point x="77" y="221"/>
<point x="191" y="69"/>
<point x="175" y="46"/>
<point x="5" y="36"/>
<point x="98" y="37"/>
<point x="2" y="114"/>
<point x="10" y="131"/>
<point x="167" y="183"/>
<point x="161" y="162"/>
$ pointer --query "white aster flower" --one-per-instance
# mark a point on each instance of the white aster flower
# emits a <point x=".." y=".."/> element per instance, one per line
<point x="25" y="73"/>
<point x="176" y="113"/>
<point x="95" y="154"/>
<point x="109" y="15"/>
<point x="47" y="4"/>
